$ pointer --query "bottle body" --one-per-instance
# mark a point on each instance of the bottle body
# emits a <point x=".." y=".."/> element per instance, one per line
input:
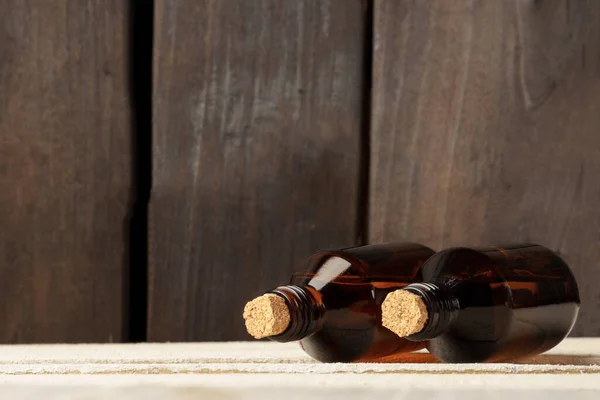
<point x="499" y="303"/>
<point x="349" y="286"/>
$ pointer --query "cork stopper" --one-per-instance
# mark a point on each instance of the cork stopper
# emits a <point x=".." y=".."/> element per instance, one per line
<point x="403" y="313"/>
<point x="267" y="315"/>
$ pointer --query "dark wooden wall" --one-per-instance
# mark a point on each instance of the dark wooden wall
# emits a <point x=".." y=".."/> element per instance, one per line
<point x="278" y="128"/>
<point x="257" y="125"/>
<point x="65" y="162"/>
<point x="486" y="128"/>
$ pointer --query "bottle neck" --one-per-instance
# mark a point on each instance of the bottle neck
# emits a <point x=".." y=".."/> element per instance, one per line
<point x="306" y="312"/>
<point x="441" y="309"/>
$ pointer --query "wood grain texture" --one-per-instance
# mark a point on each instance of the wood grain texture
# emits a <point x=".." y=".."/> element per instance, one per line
<point x="265" y="370"/>
<point x="574" y="356"/>
<point x="257" y="119"/>
<point x="486" y="128"/>
<point x="64" y="169"/>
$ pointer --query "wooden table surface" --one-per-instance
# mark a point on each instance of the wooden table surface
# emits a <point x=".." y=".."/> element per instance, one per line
<point x="261" y="370"/>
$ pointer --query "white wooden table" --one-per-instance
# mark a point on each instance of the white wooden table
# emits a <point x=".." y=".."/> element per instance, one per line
<point x="262" y="370"/>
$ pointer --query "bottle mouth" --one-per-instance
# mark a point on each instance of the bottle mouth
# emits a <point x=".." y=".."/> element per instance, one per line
<point x="305" y="313"/>
<point x="404" y="313"/>
<point x="439" y="309"/>
<point x="266" y="315"/>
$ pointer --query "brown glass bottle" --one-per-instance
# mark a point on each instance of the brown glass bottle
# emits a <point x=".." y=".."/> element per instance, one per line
<point x="335" y="305"/>
<point x="496" y="304"/>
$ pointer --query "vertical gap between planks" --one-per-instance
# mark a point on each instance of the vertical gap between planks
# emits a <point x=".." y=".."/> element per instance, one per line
<point x="141" y="26"/>
<point x="362" y="215"/>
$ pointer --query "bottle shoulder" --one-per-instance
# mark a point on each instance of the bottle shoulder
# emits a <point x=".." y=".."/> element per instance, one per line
<point x="457" y="264"/>
<point x="392" y="262"/>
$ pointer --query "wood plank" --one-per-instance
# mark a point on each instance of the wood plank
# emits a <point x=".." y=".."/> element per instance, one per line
<point x="486" y="128"/>
<point x="274" y="370"/>
<point x="64" y="170"/>
<point x="257" y="119"/>
<point x="300" y="386"/>
<point x="573" y="355"/>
